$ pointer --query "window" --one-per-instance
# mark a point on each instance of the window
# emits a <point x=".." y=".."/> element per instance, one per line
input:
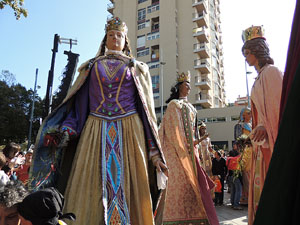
<point x="143" y="25"/>
<point x="216" y="102"/>
<point x="215" y="62"/>
<point x="234" y="118"/>
<point x="153" y="36"/>
<point x="141" y="1"/>
<point x="143" y="52"/>
<point x="152" y="8"/>
<point x="221" y="119"/>
<point x="155" y="86"/>
<point x="155" y="53"/>
<point x="153" y="65"/>
<point x="155" y="25"/>
<point x="213" y="119"/>
<point x="141" y="40"/>
<point x="216" y="89"/>
<point x="142" y="14"/>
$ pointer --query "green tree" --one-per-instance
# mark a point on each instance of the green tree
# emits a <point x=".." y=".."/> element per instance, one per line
<point x="16" y="5"/>
<point x="8" y="77"/>
<point x="15" y="106"/>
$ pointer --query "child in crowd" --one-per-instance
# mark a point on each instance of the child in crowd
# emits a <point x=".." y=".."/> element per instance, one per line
<point x="218" y="190"/>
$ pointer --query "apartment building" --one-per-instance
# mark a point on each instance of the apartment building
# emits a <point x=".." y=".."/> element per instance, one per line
<point x="175" y="36"/>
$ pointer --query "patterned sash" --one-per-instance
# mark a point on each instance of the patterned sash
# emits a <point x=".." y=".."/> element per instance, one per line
<point x="114" y="202"/>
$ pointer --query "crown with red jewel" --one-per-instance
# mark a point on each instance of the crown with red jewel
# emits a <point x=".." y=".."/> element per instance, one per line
<point x="253" y="32"/>
<point x="181" y="77"/>
<point x="116" y="24"/>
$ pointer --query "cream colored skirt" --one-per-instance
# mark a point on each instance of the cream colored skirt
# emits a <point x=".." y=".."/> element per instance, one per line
<point x="84" y="192"/>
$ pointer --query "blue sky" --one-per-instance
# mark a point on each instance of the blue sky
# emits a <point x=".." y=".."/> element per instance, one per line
<point x="26" y="44"/>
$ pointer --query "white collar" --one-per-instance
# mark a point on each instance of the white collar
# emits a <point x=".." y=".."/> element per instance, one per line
<point x="115" y="52"/>
<point x="183" y="98"/>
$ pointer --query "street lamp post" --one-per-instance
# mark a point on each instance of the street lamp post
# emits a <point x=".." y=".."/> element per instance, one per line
<point x="247" y="72"/>
<point x="32" y="110"/>
<point x="162" y="63"/>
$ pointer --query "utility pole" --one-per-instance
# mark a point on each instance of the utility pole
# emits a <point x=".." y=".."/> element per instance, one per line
<point x="32" y="109"/>
<point x="57" y="40"/>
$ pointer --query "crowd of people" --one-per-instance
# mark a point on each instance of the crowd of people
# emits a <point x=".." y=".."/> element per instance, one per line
<point x="102" y="156"/>
<point x="15" y="164"/>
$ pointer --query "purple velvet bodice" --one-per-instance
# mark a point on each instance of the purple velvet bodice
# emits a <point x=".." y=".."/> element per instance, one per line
<point x="112" y="92"/>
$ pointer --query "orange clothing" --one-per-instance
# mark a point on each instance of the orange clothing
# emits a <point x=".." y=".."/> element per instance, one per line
<point x="218" y="184"/>
<point x="232" y="163"/>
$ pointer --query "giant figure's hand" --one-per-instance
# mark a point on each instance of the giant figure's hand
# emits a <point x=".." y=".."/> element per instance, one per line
<point x="259" y="133"/>
<point x="64" y="140"/>
<point x="161" y="167"/>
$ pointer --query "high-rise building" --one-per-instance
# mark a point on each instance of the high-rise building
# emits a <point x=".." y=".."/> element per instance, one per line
<point x="175" y="36"/>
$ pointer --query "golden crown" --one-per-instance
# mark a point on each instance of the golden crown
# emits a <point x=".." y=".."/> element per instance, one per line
<point x="253" y="32"/>
<point x="184" y="77"/>
<point x="116" y="24"/>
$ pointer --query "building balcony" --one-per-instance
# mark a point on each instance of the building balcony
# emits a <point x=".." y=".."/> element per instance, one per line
<point x="204" y="100"/>
<point x="222" y="76"/>
<point x="110" y="7"/>
<point x="200" y="5"/>
<point x="202" y="50"/>
<point x="220" y="39"/>
<point x="221" y="62"/>
<point x="218" y="8"/>
<point x="201" y="34"/>
<point x="219" y="18"/>
<point x="203" y="82"/>
<point x="202" y="65"/>
<point x="200" y="19"/>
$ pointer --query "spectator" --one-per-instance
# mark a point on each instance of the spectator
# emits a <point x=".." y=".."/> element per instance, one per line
<point x="11" y="194"/>
<point x="9" y="171"/>
<point x="23" y="171"/>
<point x="235" y="178"/>
<point x="234" y="151"/>
<point x="44" y="207"/>
<point x="219" y="169"/>
<point x="3" y="176"/>
<point x="11" y="150"/>
<point x="217" y="189"/>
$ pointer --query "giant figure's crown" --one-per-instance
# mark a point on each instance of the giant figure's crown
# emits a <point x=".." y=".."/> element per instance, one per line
<point x="116" y="24"/>
<point x="184" y="77"/>
<point x="253" y="32"/>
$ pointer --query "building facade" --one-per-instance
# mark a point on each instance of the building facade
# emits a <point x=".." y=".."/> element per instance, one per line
<point x="243" y="101"/>
<point x="175" y="36"/>
<point x="220" y="124"/>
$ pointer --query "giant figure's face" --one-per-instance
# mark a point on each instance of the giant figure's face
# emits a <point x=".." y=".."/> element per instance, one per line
<point x="115" y="40"/>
